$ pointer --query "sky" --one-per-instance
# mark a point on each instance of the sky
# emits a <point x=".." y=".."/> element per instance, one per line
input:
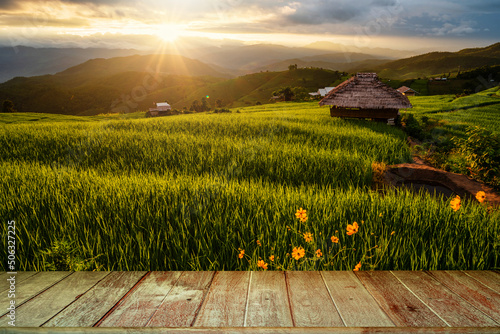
<point x="144" y="24"/>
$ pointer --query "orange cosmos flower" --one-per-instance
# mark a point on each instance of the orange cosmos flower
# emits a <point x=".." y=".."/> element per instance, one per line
<point x="308" y="237"/>
<point x="335" y="240"/>
<point x="318" y="253"/>
<point x="262" y="264"/>
<point x="302" y="215"/>
<point x="271" y="258"/>
<point x="258" y="243"/>
<point x="455" y="203"/>
<point x="351" y="229"/>
<point x="357" y="267"/>
<point x="298" y="253"/>
<point x="481" y="196"/>
<point x="242" y="254"/>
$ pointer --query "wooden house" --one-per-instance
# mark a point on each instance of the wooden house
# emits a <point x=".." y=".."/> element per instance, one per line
<point x="364" y="96"/>
<point x="160" y="107"/>
<point x="407" y="91"/>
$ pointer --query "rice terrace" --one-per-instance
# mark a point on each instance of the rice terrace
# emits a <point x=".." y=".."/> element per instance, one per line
<point x="281" y="186"/>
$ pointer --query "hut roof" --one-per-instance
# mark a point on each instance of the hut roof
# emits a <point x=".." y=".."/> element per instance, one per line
<point x="365" y="91"/>
<point x="404" y="89"/>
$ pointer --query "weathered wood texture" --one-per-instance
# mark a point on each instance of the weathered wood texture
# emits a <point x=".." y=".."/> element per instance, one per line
<point x="355" y="304"/>
<point x="181" y="305"/>
<point x="255" y="330"/>
<point x="474" y="292"/>
<point x="140" y="305"/>
<point x="225" y="305"/>
<point x="402" y="306"/>
<point x="20" y="276"/>
<point x="87" y="310"/>
<point x="248" y="302"/>
<point x="450" y="307"/>
<point x="31" y="286"/>
<point x="48" y="303"/>
<point x="310" y="301"/>
<point x="268" y="304"/>
<point x="489" y="278"/>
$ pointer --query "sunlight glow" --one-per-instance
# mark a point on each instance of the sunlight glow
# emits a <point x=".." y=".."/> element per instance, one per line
<point x="167" y="32"/>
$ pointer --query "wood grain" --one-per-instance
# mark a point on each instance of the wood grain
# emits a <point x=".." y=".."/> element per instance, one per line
<point x="446" y="304"/>
<point x="268" y="304"/>
<point x="87" y="310"/>
<point x="140" y="305"/>
<point x="20" y="277"/>
<point x="355" y="304"/>
<point x="310" y="302"/>
<point x="404" y="309"/>
<point x="181" y="305"/>
<point x="256" y="330"/>
<point x="30" y="287"/>
<point x="477" y="294"/>
<point x="226" y="301"/>
<point x="489" y="278"/>
<point x="47" y="304"/>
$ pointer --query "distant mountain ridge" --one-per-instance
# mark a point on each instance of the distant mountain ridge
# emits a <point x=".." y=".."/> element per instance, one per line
<point x="232" y="60"/>
<point x="23" y="61"/>
<point x="437" y="62"/>
<point x="156" y="63"/>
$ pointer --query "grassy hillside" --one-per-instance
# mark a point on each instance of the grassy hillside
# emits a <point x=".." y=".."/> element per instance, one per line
<point x="435" y="63"/>
<point x="103" y="86"/>
<point x="190" y="192"/>
<point x="259" y="87"/>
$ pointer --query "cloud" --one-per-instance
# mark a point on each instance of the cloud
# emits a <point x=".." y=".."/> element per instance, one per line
<point x="451" y="29"/>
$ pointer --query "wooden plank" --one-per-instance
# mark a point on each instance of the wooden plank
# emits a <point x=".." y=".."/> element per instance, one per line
<point x="404" y="309"/>
<point x="181" y="305"/>
<point x="310" y="302"/>
<point x="268" y="304"/>
<point x="489" y="278"/>
<point x="87" y="310"/>
<point x="226" y="301"/>
<point x="446" y="304"/>
<point x="255" y="330"/>
<point x="479" y="295"/>
<point x="30" y="287"/>
<point x="20" y="277"/>
<point x="355" y="304"/>
<point x="140" y="305"/>
<point x="40" y="309"/>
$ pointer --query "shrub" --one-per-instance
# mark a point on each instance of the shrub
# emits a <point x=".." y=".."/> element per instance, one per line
<point x="411" y="126"/>
<point x="481" y="151"/>
<point x="61" y="256"/>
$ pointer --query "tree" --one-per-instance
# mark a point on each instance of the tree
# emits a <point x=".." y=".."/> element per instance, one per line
<point x="195" y="106"/>
<point x="286" y="93"/>
<point x="219" y="103"/>
<point x="300" y="93"/>
<point x="204" y="104"/>
<point x="292" y="67"/>
<point x="8" y="106"/>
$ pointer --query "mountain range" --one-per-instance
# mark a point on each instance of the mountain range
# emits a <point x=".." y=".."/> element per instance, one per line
<point x="228" y="59"/>
<point x="133" y="82"/>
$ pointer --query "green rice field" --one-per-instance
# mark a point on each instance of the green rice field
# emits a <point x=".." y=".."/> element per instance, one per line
<point x="191" y="192"/>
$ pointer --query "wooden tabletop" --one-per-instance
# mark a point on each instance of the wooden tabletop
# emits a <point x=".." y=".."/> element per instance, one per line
<point x="271" y="301"/>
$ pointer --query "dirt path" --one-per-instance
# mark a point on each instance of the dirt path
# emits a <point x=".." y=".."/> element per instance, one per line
<point x="420" y="175"/>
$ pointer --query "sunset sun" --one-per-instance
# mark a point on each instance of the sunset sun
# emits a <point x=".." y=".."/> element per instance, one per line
<point x="168" y="32"/>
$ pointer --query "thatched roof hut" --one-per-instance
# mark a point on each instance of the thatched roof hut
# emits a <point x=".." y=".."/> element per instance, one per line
<point x="364" y="96"/>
